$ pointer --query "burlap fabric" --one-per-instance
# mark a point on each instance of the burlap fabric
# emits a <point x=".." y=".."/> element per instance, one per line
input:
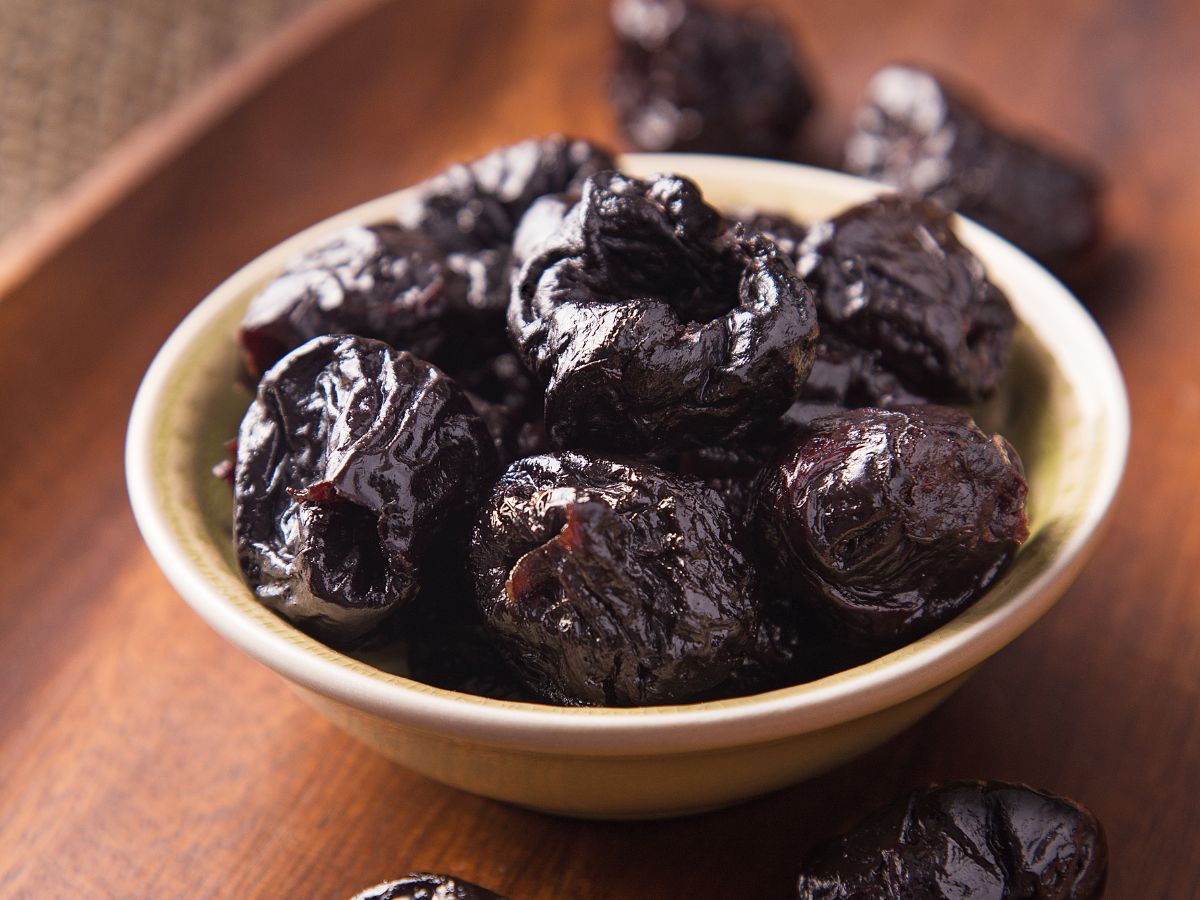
<point x="77" y="75"/>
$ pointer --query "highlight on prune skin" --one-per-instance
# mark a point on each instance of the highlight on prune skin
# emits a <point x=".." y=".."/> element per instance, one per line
<point x="983" y="840"/>
<point x="353" y="463"/>
<point x="427" y="886"/>
<point x="786" y="232"/>
<point x="891" y="276"/>
<point x="890" y="522"/>
<point x="927" y="137"/>
<point x="690" y="77"/>
<point x="610" y="582"/>
<point x="655" y="324"/>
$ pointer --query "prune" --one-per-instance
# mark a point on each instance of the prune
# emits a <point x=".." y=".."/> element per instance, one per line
<point x="787" y="233"/>
<point x="353" y="461"/>
<point x="845" y="376"/>
<point x="437" y="283"/>
<point x="654" y="324"/>
<point x="925" y="137"/>
<point x="460" y="656"/>
<point x="983" y="840"/>
<point x="612" y="582"/>
<point x="478" y="205"/>
<point x="688" y="77"/>
<point x="890" y="276"/>
<point x="892" y="521"/>
<point x="381" y="282"/>
<point x="427" y="886"/>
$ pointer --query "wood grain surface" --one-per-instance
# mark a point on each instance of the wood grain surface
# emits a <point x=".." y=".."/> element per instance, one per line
<point x="142" y="756"/>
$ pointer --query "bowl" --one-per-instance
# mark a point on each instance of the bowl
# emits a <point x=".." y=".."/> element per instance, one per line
<point x="1063" y="405"/>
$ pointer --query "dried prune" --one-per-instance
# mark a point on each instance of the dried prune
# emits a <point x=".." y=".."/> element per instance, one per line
<point x="845" y="376"/>
<point x="352" y="462"/>
<point x="381" y="282"/>
<point x="891" y="276"/>
<point x="688" y="77"/>
<point x="983" y="840"/>
<point x="786" y="232"/>
<point x="478" y="205"/>
<point x="612" y="582"/>
<point x="437" y="283"/>
<point x="427" y="886"/>
<point x="654" y="324"/>
<point x="891" y="521"/>
<point x="923" y="136"/>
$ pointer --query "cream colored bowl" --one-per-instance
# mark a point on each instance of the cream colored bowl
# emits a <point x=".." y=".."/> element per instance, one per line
<point x="1063" y="405"/>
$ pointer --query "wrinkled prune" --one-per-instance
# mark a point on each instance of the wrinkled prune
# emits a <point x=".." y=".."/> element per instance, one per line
<point x="787" y="233"/>
<point x="890" y="276"/>
<point x="460" y="656"/>
<point x="892" y="521"/>
<point x="352" y="462"/>
<point x="437" y="283"/>
<point x="610" y="582"/>
<point x="983" y="840"/>
<point x="478" y="205"/>
<point x="654" y="324"/>
<point x="381" y="282"/>
<point x="844" y="376"/>
<point x="427" y="886"/>
<point x="924" y="137"/>
<point x="688" y="77"/>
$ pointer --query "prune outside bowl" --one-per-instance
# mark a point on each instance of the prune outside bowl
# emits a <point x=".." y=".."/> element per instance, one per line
<point x="1063" y="405"/>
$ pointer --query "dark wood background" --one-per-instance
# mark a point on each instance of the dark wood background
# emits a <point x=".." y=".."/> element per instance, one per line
<point x="140" y="755"/>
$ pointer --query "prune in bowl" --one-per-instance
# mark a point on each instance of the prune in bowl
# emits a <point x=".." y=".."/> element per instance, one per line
<point x="1062" y="405"/>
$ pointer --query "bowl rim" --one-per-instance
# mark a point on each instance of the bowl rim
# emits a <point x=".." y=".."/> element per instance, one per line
<point x="1061" y="324"/>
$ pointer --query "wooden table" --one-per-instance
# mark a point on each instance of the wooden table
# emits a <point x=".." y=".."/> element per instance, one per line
<point x="140" y="755"/>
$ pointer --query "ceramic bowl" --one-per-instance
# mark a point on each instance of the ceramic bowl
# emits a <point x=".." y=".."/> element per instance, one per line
<point x="1063" y="405"/>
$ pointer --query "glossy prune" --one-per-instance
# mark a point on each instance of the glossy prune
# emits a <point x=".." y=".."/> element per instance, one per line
<point x="925" y="137"/>
<point x="612" y="582"/>
<point x="890" y="276"/>
<point x="889" y="522"/>
<point x="786" y="232"/>
<point x="982" y="840"/>
<point x="656" y="325"/>
<point x="427" y="886"/>
<point x="689" y="77"/>
<point x="381" y="282"/>
<point x="478" y="205"/>
<point x="435" y="284"/>
<point x="353" y="462"/>
<point x="845" y="376"/>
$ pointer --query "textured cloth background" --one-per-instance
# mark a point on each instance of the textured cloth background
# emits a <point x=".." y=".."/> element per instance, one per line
<point x="77" y="75"/>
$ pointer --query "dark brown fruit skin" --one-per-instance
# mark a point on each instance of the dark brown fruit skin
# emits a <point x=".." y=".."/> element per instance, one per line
<point x="614" y="583"/>
<point x="691" y="78"/>
<point x="927" y="137"/>
<point x="437" y="283"/>
<point x="427" y="886"/>
<point x="354" y="462"/>
<point x="982" y="840"/>
<point x="890" y="276"/>
<point x="892" y="521"/>
<point x="787" y="233"/>
<point x="479" y="205"/>
<point x="654" y="325"/>
<point x="381" y="282"/>
<point x="845" y="376"/>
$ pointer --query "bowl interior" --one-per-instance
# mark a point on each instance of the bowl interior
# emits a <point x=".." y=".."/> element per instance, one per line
<point x="1062" y="406"/>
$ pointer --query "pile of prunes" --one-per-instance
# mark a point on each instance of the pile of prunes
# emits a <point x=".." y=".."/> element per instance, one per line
<point x="570" y="436"/>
